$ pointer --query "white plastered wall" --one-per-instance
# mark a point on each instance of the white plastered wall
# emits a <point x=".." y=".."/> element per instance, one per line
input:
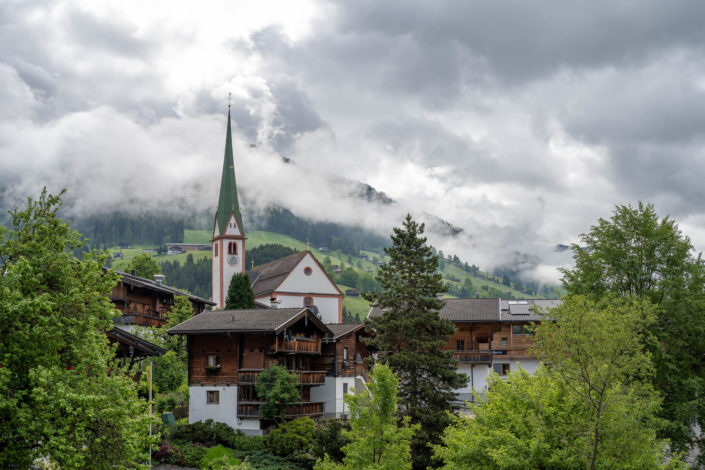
<point x="316" y="282"/>
<point x="331" y="393"/>
<point x="224" y="412"/>
<point x="479" y="374"/>
<point x="328" y="307"/>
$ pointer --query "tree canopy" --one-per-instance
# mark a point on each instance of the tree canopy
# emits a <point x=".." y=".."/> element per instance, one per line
<point x="411" y="333"/>
<point x="594" y="407"/>
<point x="63" y="397"/>
<point x="376" y="440"/>
<point x="277" y="387"/>
<point x="145" y="265"/>
<point x="636" y="254"/>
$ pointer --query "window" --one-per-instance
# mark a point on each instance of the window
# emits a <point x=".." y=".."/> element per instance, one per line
<point x="308" y="301"/>
<point x="345" y="353"/>
<point x="522" y="330"/>
<point x="213" y="360"/>
<point x="216" y="250"/>
<point x="307" y="271"/>
<point x="212" y="397"/>
<point x="505" y="341"/>
<point x="501" y="369"/>
<point x="345" y="389"/>
<point x="460" y="345"/>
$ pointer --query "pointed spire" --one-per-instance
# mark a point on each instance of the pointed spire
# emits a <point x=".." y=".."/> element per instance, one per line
<point x="227" y="202"/>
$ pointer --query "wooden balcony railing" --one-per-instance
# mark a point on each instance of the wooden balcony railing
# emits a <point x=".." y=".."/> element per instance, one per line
<point x="474" y="357"/>
<point x="293" y="410"/>
<point x="298" y="345"/>
<point x="306" y="377"/>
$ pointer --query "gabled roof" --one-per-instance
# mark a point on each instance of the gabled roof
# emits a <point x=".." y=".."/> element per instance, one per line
<point x="247" y="321"/>
<point x="141" y="347"/>
<point x="267" y="277"/>
<point x="227" y="201"/>
<point x="343" y="329"/>
<point x="463" y="310"/>
<point x="145" y="283"/>
<point x="521" y="310"/>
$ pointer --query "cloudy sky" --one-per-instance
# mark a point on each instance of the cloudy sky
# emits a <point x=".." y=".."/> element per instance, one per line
<point x="521" y="122"/>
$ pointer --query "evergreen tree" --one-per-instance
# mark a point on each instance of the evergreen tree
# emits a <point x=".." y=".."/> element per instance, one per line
<point x="63" y="397"/>
<point x="412" y="333"/>
<point x="240" y="293"/>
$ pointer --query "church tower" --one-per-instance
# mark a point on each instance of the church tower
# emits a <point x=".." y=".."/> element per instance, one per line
<point x="228" y="250"/>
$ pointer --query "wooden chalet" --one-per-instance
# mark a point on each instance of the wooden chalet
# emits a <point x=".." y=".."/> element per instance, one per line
<point x="146" y="302"/>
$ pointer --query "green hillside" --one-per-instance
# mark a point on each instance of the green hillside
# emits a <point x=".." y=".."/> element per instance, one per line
<point x="368" y="262"/>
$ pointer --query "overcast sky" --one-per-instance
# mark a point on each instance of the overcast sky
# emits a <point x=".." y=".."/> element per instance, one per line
<point x="521" y="122"/>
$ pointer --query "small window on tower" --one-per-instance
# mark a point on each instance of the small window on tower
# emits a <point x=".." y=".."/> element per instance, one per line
<point x="216" y="250"/>
<point x="234" y="248"/>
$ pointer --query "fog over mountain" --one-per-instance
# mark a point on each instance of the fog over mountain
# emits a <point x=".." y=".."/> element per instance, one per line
<point x="519" y="123"/>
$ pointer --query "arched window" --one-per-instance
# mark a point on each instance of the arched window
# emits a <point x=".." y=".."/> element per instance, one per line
<point x="216" y="250"/>
<point x="308" y="301"/>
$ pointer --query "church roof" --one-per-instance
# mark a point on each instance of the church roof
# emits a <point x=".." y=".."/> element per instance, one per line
<point x="227" y="202"/>
<point x="267" y="277"/>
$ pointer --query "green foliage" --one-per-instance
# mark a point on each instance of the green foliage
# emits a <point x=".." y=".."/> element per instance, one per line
<point x="376" y="440"/>
<point x="218" y="458"/>
<point x="292" y="438"/>
<point x="328" y="439"/>
<point x="144" y="265"/>
<point x="277" y="387"/>
<point x="165" y="403"/>
<point x="193" y="275"/>
<point x="412" y="332"/>
<point x="168" y="372"/>
<point x="179" y="313"/>
<point x="267" y="252"/>
<point x="212" y="433"/>
<point x="636" y="254"/>
<point x="240" y="293"/>
<point x="527" y="422"/>
<point x="57" y="399"/>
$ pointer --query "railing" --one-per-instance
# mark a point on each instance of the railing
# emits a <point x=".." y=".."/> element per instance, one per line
<point x="306" y="377"/>
<point x="474" y="357"/>
<point x="299" y="345"/>
<point x="293" y="410"/>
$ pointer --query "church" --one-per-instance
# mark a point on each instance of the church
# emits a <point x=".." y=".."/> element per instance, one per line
<point x="297" y="325"/>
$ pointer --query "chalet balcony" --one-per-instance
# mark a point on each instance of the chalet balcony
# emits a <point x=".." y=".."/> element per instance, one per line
<point x="293" y="410"/>
<point x="483" y="356"/>
<point x="298" y="345"/>
<point x="306" y="377"/>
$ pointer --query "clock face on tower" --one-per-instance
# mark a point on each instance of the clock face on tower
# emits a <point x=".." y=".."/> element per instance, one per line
<point x="232" y="260"/>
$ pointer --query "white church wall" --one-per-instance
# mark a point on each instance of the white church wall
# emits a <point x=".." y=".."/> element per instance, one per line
<point x="316" y="281"/>
<point x="328" y="307"/>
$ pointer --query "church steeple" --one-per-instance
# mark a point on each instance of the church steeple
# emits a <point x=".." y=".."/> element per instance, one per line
<point x="228" y="255"/>
<point x="228" y="202"/>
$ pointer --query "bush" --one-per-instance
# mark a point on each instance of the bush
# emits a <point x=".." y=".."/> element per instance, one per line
<point x="168" y="372"/>
<point x="165" y="403"/>
<point x="210" y="433"/>
<point x="265" y="460"/>
<point x="328" y="439"/>
<point x="291" y="438"/>
<point x="168" y="453"/>
<point x="219" y="457"/>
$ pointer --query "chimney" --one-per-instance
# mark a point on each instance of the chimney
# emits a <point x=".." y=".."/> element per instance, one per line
<point x="159" y="279"/>
<point x="273" y="302"/>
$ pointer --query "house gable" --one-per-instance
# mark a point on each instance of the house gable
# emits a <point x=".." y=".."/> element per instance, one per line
<point x="308" y="276"/>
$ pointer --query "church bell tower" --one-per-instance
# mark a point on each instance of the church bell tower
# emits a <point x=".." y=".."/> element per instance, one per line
<point x="228" y="250"/>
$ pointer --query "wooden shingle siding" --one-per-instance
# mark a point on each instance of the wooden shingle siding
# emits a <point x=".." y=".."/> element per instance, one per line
<point x="203" y="345"/>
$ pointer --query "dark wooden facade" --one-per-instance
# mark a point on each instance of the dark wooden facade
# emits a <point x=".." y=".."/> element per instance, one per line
<point x="480" y="342"/>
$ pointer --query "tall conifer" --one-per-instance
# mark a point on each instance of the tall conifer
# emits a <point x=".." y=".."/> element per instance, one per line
<point x="411" y="333"/>
<point x="240" y="293"/>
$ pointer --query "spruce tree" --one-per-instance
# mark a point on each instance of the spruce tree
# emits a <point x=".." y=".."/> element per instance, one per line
<point x="240" y="293"/>
<point x="412" y="334"/>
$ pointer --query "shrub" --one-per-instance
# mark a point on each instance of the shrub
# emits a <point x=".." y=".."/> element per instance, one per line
<point x="168" y="372"/>
<point x="191" y="455"/>
<point x="265" y="460"/>
<point x="168" y="453"/>
<point x="277" y="387"/>
<point x="165" y="403"/>
<point x="219" y="457"/>
<point x="328" y="439"/>
<point x="291" y="438"/>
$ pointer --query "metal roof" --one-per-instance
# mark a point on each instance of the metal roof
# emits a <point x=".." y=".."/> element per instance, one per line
<point x="246" y="321"/>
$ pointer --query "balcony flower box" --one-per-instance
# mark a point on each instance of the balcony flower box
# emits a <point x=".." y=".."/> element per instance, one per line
<point x="213" y="369"/>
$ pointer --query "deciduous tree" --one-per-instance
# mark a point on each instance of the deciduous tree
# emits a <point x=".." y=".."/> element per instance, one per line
<point x="277" y="387"/>
<point x="411" y="333"/>
<point x="636" y="254"/>
<point x="145" y="265"/>
<point x="62" y="396"/>
<point x="377" y="441"/>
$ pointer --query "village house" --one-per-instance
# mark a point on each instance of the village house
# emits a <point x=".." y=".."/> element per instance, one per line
<point x="493" y="335"/>
<point x="228" y="349"/>
<point x="145" y="302"/>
